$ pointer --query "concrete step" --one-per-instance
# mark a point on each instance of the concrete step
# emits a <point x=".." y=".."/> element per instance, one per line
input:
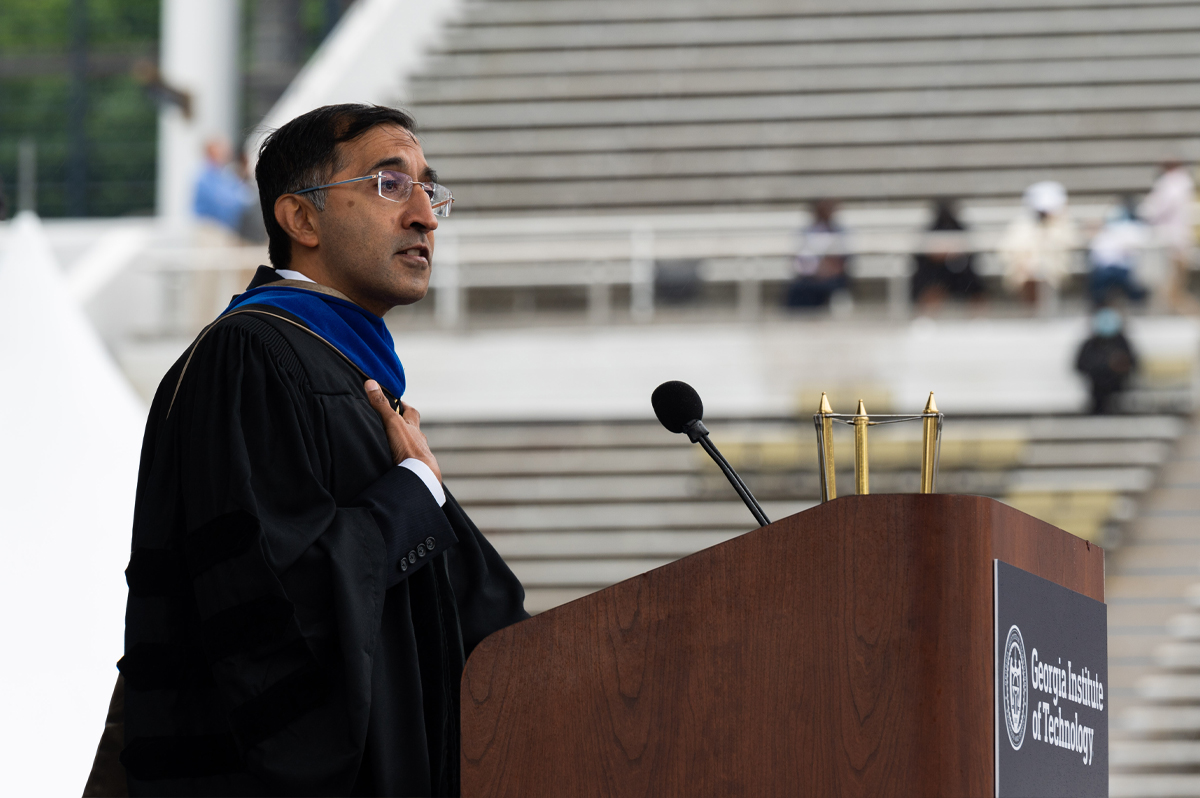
<point x="1185" y="626"/>
<point x="540" y="599"/>
<point x="1130" y="754"/>
<point x="686" y="515"/>
<point x="1154" y="527"/>
<point x="1123" y="438"/>
<point x="1081" y="479"/>
<point x="1124" y="453"/>
<point x="559" y="543"/>
<point x="1170" y="687"/>
<point x="1143" y="585"/>
<point x="1123" y="612"/>
<point x="867" y="104"/>
<point x="782" y="191"/>
<point x="520" y="437"/>
<point x="648" y="460"/>
<point x="1158" y="720"/>
<point x="1154" y="785"/>
<point x="1085" y="125"/>
<point x="618" y="57"/>
<point x="704" y="81"/>
<point x="516" y="12"/>
<point x="590" y="487"/>
<point x="1178" y="655"/>
<point x="590" y="574"/>
<point x="881" y="27"/>
<point x="827" y="160"/>
<point x="1155" y="555"/>
<point x="1174" y="499"/>
<point x="1075" y="493"/>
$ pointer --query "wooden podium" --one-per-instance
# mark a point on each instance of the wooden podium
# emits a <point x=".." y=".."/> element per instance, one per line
<point x="846" y="650"/>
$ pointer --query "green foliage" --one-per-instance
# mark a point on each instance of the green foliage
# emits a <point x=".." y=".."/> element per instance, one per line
<point x="316" y="18"/>
<point x="34" y="25"/>
<point x="121" y="122"/>
<point x="122" y="133"/>
<point x="45" y="25"/>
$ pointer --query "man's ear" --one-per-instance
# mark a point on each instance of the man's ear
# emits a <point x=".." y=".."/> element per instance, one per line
<point x="298" y="219"/>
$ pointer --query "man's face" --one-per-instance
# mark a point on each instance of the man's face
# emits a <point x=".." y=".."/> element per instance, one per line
<point x="378" y="252"/>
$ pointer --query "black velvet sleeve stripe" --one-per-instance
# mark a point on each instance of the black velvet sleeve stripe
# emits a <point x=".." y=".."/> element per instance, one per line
<point x="285" y="356"/>
<point x="154" y="758"/>
<point x="414" y="528"/>
<point x="255" y="625"/>
<point x="280" y="704"/>
<point x="222" y="538"/>
<point x="156" y="572"/>
<point x="160" y="666"/>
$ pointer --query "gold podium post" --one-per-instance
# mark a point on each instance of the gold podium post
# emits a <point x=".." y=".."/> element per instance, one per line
<point x="828" y="472"/>
<point x="929" y="444"/>
<point x="861" y="421"/>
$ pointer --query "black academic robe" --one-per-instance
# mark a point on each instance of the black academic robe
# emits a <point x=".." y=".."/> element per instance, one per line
<point x="300" y="608"/>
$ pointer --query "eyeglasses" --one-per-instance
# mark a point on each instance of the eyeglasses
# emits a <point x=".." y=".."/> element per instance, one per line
<point x="397" y="187"/>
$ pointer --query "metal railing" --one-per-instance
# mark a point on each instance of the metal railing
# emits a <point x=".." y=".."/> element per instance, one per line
<point x="598" y="254"/>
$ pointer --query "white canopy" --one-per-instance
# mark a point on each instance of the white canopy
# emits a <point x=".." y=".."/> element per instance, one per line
<point x="70" y="433"/>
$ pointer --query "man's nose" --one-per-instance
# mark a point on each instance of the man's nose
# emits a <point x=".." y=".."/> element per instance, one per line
<point x="418" y="211"/>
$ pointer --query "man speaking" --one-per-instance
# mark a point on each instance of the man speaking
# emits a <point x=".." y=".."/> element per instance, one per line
<point x="303" y="591"/>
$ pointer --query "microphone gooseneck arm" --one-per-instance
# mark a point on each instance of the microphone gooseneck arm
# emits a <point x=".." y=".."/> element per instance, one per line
<point x="698" y="433"/>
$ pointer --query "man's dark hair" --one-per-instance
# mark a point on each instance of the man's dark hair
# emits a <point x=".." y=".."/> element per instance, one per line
<point x="305" y="153"/>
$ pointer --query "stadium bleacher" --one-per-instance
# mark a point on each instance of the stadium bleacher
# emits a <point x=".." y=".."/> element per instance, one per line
<point x="575" y="507"/>
<point x="588" y="106"/>
<point x="1152" y="585"/>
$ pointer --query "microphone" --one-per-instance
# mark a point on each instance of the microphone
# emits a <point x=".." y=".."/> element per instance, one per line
<point x="679" y="408"/>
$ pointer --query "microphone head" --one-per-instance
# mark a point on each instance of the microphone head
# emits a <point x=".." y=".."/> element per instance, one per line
<point x="677" y="404"/>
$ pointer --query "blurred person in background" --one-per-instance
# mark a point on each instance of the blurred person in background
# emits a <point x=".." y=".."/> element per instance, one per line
<point x="821" y="260"/>
<point x="221" y="195"/>
<point x="1168" y="207"/>
<point x="1037" y="247"/>
<point x="222" y="199"/>
<point x="945" y="266"/>
<point x="1106" y="359"/>
<point x="1113" y="256"/>
<point x="251" y="226"/>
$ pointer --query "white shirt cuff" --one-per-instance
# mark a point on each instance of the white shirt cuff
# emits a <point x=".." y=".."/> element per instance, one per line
<point x="426" y="474"/>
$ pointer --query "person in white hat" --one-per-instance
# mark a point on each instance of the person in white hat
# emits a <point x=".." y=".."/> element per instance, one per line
<point x="1038" y="245"/>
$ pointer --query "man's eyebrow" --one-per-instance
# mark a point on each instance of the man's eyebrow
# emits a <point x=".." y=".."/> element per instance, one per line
<point x="395" y="162"/>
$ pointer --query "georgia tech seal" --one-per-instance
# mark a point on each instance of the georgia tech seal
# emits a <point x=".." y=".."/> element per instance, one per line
<point x="1015" y="687"/>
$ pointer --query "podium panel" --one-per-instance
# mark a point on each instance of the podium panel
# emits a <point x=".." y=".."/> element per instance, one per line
<point x="846" y="650"/>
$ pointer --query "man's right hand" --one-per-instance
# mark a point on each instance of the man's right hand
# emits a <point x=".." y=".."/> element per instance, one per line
<point x="403" y="431"/>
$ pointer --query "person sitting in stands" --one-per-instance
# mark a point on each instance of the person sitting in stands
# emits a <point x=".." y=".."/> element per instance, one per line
<point x="220" y="195"/>
<point x="820" y="265"/>
<point x="1168" y="207"/>
<point x="1114" y="255"/>
<point x="1106" y="359"/>
<point x="945" y="267"/>
<point x="1037" y="246"/>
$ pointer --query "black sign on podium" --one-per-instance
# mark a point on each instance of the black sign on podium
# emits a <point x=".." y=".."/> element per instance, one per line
<point x="1051" y="677"/>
